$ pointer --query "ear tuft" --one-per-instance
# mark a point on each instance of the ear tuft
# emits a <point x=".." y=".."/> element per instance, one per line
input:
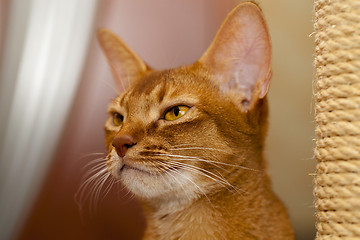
<point x="126" y="65"/>
<point x="240" y="55"/>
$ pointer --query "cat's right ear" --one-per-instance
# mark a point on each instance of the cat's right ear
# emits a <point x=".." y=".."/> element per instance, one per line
<point x="240" y="56"/>
<point x="126" y="65"/>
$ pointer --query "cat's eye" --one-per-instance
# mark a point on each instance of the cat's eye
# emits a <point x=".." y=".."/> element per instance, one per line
<point x="176" y="113"/>
<point x="117" y="119"/>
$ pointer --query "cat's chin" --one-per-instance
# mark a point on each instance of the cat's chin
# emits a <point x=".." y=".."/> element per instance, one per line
<point x="136" y="170"/>
<point x="147" y="185"/>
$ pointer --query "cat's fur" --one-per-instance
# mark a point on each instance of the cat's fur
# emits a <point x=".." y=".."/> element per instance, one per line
<point x="203" y="175"/>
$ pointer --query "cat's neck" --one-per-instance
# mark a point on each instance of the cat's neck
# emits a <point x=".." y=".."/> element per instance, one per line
<point x="207" y="216"/>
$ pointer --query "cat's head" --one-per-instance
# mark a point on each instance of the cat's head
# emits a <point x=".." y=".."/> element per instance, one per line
<point x="184" y="132"/>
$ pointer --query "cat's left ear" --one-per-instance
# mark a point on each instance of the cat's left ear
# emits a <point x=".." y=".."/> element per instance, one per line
<point x="126" y="65"/>
<point x="240" y="56"/>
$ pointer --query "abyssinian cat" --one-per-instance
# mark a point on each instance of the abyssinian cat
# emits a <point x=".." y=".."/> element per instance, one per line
<point x="188" y="142"/>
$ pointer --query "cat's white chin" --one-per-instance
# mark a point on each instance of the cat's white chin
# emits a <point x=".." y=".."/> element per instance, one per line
<point x="146" y="184"/>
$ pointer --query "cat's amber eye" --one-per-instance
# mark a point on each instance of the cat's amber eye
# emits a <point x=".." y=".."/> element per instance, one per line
<point x="117" y="119"/>
<point x="176" y="113"/>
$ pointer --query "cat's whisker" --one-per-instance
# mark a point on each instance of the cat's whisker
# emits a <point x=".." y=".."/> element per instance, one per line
<point x="220" y="180"/>
<point x="169" y="173"/>
<point x="92" y="178"/>
<point x="91" y="155"/>
<point x="191" y="145"/>
<point x="93" y="184"/>
<point x="171" y="169"/>
<point x="94" y="169"/>
<point x="94" y="163"/>
<point x="96" y="189"/>
<point x="128" y="195"/>
<point x="197" y="186"/>
<point x="238" y="190"/>
<point x="99" y="187"/>
<point x="222" y="177"/>
<point x="213" y="163"/>
<point x="198" y="148"/>
<point x="82" y="194"/>
<point x="109" y="186"/>
<point x="185" y="144"/>
<point x="191" y="158"/>
<point x="180" y="184"/>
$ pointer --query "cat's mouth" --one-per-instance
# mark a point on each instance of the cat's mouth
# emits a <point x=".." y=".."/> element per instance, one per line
<point x="129" y="167"/>
<point x="128" y="164"/>
<point x="148" y="170"/>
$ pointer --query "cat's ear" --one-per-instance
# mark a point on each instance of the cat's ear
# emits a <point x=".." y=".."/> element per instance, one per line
<point x="126" y="65"/>
<point x="240" y="55"/>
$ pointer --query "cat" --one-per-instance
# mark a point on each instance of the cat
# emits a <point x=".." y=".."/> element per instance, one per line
<point x="188" y="142"/>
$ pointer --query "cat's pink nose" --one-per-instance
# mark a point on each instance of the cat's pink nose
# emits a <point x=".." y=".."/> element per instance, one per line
<point x="122" y="143"/>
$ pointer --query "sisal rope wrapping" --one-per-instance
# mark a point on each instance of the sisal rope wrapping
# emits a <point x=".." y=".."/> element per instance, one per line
<point x="337" y="62"/>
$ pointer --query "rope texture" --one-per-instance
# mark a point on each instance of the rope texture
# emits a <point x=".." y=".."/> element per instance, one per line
<point x="337" y="62"/>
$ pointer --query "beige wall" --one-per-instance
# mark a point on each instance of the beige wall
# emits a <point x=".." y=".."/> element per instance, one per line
<point x="168" y="34"/>
<point x="290" y="145"/>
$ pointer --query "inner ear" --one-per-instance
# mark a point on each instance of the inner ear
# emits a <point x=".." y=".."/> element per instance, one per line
<point x="240" y="55"/>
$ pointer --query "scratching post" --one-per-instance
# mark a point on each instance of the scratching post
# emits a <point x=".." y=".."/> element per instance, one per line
<point x="337" y="96"/>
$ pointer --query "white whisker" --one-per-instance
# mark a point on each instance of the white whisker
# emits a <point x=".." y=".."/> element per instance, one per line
<point x="190" y="158"/>
<point x="91" y="154"/>
<point x="96" y="182"/>
<point x="94" y="169"/>
<point x="108" y="188"/>
<point x="82" y="195"/>
<point x="198" y="148"/>
<point x="98" y="188"/>
<point x="169" y="173"/>
<point x="220" y="180"/>
<point x="180" y="184"/>
<point x="238" y="190"/>
<point x="199" y="188"/>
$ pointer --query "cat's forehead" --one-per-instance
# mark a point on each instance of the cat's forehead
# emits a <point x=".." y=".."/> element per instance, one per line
<point x="153" y="85"/>
<point x="165" y="87"/>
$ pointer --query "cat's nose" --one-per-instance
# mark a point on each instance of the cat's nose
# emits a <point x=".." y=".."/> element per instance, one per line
<point x="123" y="143"/>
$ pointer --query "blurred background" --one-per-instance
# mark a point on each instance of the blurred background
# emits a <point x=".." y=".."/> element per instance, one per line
<point x="55" y="86"/>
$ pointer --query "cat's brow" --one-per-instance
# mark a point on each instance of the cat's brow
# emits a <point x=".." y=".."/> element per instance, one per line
<point x="161" y="92"/>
